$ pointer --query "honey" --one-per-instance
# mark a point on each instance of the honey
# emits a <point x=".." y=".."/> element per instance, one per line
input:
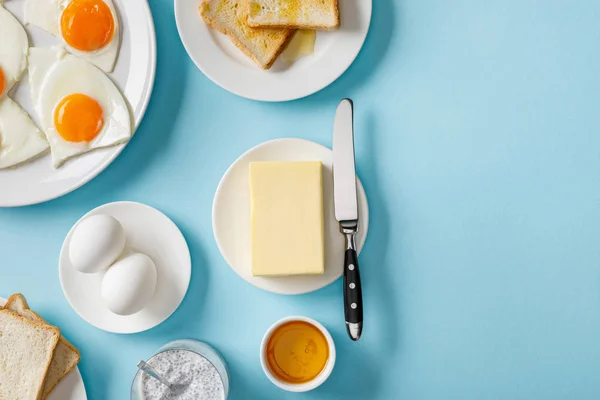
<point x="297" y="352"/>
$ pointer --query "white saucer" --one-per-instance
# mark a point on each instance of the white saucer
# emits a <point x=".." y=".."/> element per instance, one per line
<point x="216" y="56"/>
<point x="70" y="388"/>
<point x="231" y="216"/>
<point x="148" y="231"/>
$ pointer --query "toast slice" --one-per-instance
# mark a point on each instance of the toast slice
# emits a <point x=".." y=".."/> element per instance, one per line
<point x="66" y="356"/>
<point x="26" y="351"/>
<point x="230" y="17"/>
<point x="297" y="14"/>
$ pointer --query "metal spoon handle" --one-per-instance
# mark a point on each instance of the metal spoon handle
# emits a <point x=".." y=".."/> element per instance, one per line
<point x="148" y="370"/>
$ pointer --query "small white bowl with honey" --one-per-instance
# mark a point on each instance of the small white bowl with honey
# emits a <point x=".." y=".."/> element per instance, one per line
<point x="297" y="354"/>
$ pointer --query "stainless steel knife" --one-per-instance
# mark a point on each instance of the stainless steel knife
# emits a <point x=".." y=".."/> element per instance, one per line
<point x="346" y="212"/>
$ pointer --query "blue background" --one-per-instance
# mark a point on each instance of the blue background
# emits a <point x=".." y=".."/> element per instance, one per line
<point x="478" y="144"/>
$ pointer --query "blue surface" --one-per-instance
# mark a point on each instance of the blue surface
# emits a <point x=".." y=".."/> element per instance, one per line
<point x="478" y="143"/>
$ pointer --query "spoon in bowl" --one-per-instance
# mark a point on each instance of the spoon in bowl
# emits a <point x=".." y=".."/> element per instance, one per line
<point x="148" y="370"/>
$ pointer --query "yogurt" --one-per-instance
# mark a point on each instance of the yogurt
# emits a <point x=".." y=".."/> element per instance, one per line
<point x="193" y="378"/>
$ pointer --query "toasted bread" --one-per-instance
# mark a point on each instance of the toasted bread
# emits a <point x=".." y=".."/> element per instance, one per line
<point x="26" y="351"/>
<point x="66" y="356"/>
<point x="263" y="46"/>
<point x="296" y="14"/>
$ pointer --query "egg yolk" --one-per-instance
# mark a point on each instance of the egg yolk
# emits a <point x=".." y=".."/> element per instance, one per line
<point x="87" y="25"/>
<point x="78" y="118"/>
<point x="2" y="83"/>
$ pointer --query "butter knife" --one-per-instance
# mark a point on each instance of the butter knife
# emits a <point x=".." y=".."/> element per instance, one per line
<point x="346" y="213"/>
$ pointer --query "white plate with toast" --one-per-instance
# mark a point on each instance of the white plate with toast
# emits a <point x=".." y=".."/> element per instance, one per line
<point x="37" y="181"/>
<point x="244" y="67"/>
<point x="71" y="387"/>
<point x="232" y="219"/>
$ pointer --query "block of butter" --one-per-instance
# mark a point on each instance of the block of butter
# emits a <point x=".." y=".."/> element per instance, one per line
<point x="286" y="202"/>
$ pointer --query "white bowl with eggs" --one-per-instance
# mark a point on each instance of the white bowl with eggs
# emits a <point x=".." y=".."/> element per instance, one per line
<point x="124" y="267"/>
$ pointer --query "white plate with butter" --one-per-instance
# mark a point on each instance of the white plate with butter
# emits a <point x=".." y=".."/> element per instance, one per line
<point x="232" y="220"/>
<point x="71" y="387"/>
<point x="223" y="63"/>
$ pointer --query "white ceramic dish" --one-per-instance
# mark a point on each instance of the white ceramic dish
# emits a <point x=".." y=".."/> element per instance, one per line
<point x="70" y="388"/>
<point x="222" y="62"/>
<point x="37" y="181"/>
<point x="231" y="216"/>
<point x="302" y="387"/>
<point x="148" y="231"/>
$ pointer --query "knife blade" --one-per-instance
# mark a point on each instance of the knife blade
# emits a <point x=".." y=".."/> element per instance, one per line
<point x="344" y="172"/>
<point x="346" y="213"/>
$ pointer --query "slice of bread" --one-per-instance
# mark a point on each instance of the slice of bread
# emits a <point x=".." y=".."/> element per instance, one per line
<point x="298" y="14"/>
<point x="230" y="17"/>
<point x="26" y="351"/>
<point x="66" y="356"/>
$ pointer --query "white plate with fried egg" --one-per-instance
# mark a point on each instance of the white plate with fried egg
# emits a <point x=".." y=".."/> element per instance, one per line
<point x="86" y="85"/>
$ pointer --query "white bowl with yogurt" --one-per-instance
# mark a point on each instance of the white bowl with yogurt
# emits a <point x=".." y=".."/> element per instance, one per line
<point x="194" y="369"/>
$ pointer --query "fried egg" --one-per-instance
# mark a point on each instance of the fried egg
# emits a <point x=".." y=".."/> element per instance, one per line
<point x="14" y="46"/>
<point x="79" y="107"/>
<point x="20" y="139"/>
<point x="88" y="28"/>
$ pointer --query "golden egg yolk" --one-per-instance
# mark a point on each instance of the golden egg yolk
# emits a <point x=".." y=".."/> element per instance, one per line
<point x="87" y="25"/>
<point x="2" y="83"/>
<point x="78" y="118"/>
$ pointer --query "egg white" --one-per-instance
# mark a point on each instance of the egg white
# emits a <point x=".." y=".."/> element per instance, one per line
<point x="20" y="139"/>
<point x="54" y="74"/>
<point x="46" y="14"/>
<point x="14" y="46"/>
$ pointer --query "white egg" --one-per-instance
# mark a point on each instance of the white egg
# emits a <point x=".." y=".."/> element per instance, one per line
<point x="79" y="107"/>
<point x="14" y="46"/>
<point x="96" y="243"/>
<point x="20" y="139"/>
<point x="88" y="28"/>
<point x="129" y="284"/>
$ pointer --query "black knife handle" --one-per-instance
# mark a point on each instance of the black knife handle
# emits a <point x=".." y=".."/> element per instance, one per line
<point x="353" y="306"/>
